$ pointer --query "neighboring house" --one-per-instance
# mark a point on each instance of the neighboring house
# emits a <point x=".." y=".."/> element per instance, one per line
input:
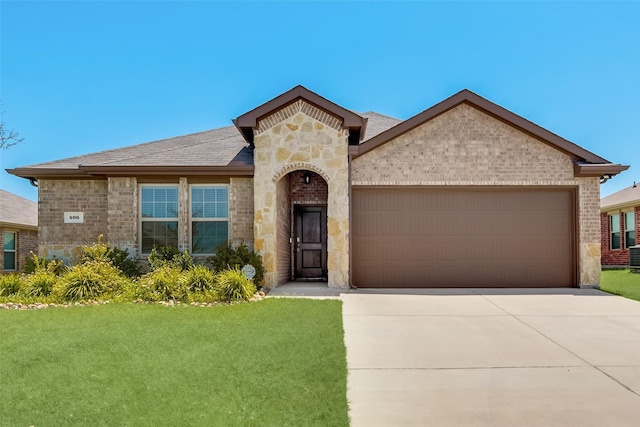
<point x="19" y="230"/>
<point x="619" y="218"/>
<point x="465" y="193"/>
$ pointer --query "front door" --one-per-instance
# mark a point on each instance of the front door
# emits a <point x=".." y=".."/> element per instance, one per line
<point x="310" y="241"/>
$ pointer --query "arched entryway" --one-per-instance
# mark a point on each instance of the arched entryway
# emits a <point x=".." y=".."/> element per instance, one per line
<point x="302" y="197"/>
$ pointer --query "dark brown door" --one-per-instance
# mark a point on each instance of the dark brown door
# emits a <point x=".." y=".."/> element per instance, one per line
<point x="485" y="237"/>
<point x="310" y="242"/>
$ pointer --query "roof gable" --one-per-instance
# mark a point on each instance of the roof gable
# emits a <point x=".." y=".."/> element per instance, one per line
<point x="583" y="159"/>
<point x="248" y="123"/>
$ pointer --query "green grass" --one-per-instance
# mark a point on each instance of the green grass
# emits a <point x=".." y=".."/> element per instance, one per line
<point x="621" y="282"/>
<point x="273" y="363"/>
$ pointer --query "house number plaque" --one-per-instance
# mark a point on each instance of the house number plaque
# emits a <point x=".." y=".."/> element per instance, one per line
<point x="74" y="217"/>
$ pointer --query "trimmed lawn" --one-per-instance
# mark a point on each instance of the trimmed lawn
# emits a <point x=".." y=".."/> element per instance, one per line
<point x="273" y="363"/>
<point x="621" y="282"/>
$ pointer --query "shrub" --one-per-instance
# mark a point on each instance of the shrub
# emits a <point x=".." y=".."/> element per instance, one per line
<point x="231" y="286"/>
<point x="10" y="284"/>
<point x="235" y="258"/>
<point x="40" y="283"/>
<point x="168" y="256"/>
<point x="34" y="263"/>
<point x="90" y="280"/>
<point x="162" y="284"/>
<point x="199" y="278"/>
<point x="121" y="260"/>
<point x="116" y="256"/>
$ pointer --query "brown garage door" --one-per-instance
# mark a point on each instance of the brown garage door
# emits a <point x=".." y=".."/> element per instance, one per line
<point x="426" y="237"/>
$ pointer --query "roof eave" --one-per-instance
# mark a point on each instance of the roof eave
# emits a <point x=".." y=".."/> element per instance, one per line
<point x="95" y="171"/>
<point x="601" y="170"/>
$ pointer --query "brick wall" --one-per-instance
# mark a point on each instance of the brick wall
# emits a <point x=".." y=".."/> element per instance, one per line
<point x="56" y="196"/>
<point x="314" y="193"/>
<point x="283" y="231"/>
<point x="616" y="256"/>
<point x="26" y="242"/>
<point x="122" y="214"/>
<point x="241" y="211"/>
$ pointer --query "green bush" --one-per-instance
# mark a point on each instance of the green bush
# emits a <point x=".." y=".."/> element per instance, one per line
<point x="168" y="256"/>
<point x="34" y="263"/>
<point x="199" y="278"/>
<point x="90" y="280"/>
<point x="40" y="283"/>
<point x="235" y="258"/>
<point x="231" y="286"/>
<point x="163" y="284"/>
<point x="10" y="284"/>
<point x="116" y="256"/>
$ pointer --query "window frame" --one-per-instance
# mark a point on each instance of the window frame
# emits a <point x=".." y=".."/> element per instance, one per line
<point x="14" y="251"/>
<point x="627" y="230"/>
<point x="612" y="233"/>
<point x="205" y="219"/>
<point x="142" y="219"/>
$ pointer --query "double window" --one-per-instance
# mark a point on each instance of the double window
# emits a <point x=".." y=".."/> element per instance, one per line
<point x="628" y="220"/>
<point x="208" y="222"/>
<point x="9" y="251"/>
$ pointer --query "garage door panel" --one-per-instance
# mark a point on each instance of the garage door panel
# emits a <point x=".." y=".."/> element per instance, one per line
<point x="411" y="237"/>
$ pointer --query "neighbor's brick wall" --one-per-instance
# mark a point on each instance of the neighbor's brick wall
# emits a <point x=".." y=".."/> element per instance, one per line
<point x="241" y="211"/>
<point x="122" y="214"/>
<point x="618" y="256"/>
<point x="467" y="147"/>
<point x="56" y="196"/>
<point x="26" y="242"/>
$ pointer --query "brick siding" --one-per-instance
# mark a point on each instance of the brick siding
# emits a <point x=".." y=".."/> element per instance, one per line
<point x="616" y="256"/>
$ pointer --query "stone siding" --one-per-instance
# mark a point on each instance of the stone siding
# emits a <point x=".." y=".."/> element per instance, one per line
<point x="309" y="140"/>
<point x="466" y="147"/>
<point x="57" y="196"/>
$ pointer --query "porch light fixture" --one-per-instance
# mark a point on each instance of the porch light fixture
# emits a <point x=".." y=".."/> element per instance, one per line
<point x="307" y="177"/>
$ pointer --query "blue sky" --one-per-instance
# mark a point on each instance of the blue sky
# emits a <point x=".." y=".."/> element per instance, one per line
<point x="84" y="76"/>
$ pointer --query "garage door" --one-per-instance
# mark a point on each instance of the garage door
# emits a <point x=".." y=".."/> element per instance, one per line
<point x="425" y="237"/>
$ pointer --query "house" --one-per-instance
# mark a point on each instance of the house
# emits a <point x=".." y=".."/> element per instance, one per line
<point x="465" y="193"/>
<point x="19" y="230"/>
<point x="619" y="219"/>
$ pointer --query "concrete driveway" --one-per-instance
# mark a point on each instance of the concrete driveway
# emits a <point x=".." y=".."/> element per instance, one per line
<point x="492" y="357"/>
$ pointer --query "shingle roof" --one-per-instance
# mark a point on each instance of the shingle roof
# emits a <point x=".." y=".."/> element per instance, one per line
<point x="220" y="148"/>
<point x="17" y="212"/>
<point x="629" y="196"/>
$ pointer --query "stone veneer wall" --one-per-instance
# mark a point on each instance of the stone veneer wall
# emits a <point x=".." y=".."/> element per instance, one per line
<point x="466" y="147"/>
<point x="56" y="196"/>
<point x="241" y="211"/>
<point x="298" y="141"/>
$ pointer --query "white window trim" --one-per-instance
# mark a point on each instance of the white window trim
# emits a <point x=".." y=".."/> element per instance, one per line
<point x="192" y="219"/>
<point x="624" y="222"/>
<point x="141" y="219"/>
<point x="611" y="215"/>
<point x="13" y="251"/>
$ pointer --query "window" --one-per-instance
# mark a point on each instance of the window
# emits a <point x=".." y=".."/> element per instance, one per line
<point x="158" y="216"/>
<point x="614" y="222"/>
<point x="629" y="230"/>
<point x="9" y="251"/>
<point x="209" y="218"/>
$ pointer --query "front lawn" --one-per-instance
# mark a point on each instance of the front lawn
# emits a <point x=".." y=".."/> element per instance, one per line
<point x="273" y="363"/>
<point x="621" y="282"/>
